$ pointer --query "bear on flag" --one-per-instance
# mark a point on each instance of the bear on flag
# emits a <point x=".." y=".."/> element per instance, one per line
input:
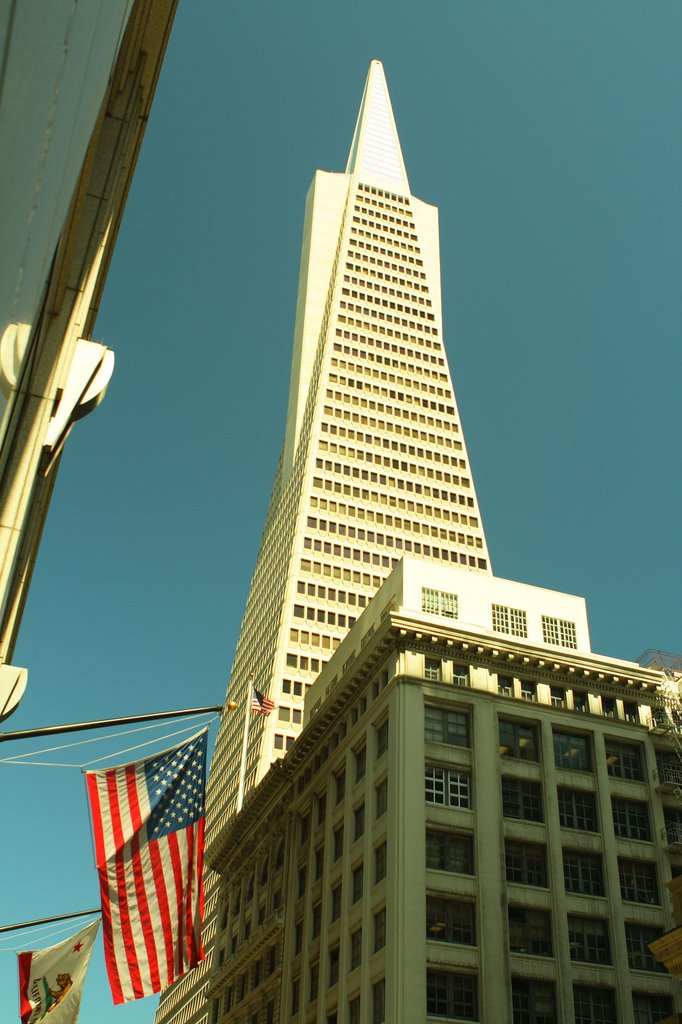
<point x="51" y="980"/>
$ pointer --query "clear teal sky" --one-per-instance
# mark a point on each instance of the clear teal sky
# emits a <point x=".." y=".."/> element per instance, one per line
<point x="548" y="135"/>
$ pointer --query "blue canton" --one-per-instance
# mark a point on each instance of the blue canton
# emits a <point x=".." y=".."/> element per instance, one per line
<point x="176" y="782"/>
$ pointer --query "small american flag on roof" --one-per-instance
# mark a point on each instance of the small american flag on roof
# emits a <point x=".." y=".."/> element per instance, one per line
<point x="262" y="703"/>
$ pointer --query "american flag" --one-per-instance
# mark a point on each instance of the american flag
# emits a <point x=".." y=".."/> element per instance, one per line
<point x="148" y="822"/>
<point x="262" y="703"/>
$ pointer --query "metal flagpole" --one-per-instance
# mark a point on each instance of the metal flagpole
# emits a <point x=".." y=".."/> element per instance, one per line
<point x="103" y="723"/>
<point x="47" y="920"/>
<point x="242" y="770"/>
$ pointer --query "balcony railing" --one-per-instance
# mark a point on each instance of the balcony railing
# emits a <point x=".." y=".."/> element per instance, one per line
<point x="672" y="833"/>
<point x="669" y="773"/>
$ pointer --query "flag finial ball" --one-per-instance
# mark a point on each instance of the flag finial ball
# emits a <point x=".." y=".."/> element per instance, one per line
<point x="231" y="705"/>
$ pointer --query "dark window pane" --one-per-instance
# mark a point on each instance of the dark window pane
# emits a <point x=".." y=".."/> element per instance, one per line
<point x="572" y="751"/>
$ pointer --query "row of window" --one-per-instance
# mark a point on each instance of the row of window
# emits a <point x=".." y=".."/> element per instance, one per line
<point x="398" y="429"/>
<point x="381" y="345"/>
<point x="455" y="997"/>
<point x="386" y="519"/>
<point x="452" y="920"/>
<point x="520" y="740"/>
<point x="440" y="603"/>
<point x="523" y="799"/>
<point x="382" y="539"/>
<point x="353" y="1016"/>
<point x="375" y="261"/>
<point x="385" y="445"/>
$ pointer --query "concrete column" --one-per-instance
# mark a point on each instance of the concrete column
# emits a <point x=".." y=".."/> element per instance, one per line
<point x="494" y="982"/>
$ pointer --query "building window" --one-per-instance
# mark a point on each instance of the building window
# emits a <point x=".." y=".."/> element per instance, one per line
<point x="355" y="949"/>
<point x="360" y="763"/>
<point x="354" y="1011"/>
<point x="521" y="799"/>
<point x="571" y="751"/>
<point x="302" y="874"/>
<point x="358" y="821"/>
<point x="382" y="738"/>
<point x="559" y="632"/>
<point x="333" y="966"/>
<point x="319" y="862"/>
<point x="379" y="1002"/>
<point x="316" y="920"/>
<point x="298" y="936"/>
<point x="338" y="842"/>
<point x="577" y="809"/>
<point x="460" y="675"/>
<point x="448" y="851"/>
<point x="379" y="863"/>
<point x="321" y="809"/>
<point x="336" y="902"/>
<point x="630" y="819"/>
<point x="532" y="1002"/>
<point x="439" y="602"/>
<point x="314" y="981"/>
<point x="608" y="707"/>
<point x="623" y="760"/>
<point x="529" y="690"/>
<point x="637" y="939"/>
<point x="583" y="873"/>
<point x="295" y="995"/>
<point x="557" y="696"/>
<point x="381" y="798"/>
<point x="588" y="940"/>
<point x="649" y="1008"/>
<point x="594" y="1005"/>
<point x="433" y="670"/>
<point x="518" y="740"/>
<point x="513" y="621"/>
<point x="637" y="881"/>
<point x="451" y="995"/>
<point x="379" y="929"/>
<point x="441" y="726"/>
<point x="529" y="931"/>
<point x="505" y="686"/>
<point x="357" y="884"/>
<point x="525" y="864"/>
<point x="581" y="701"/>
<point x="340" y="785"/>
<point x="450" y="921"/>
<point x="447" y="786"/>
<point x="631" y="711"/>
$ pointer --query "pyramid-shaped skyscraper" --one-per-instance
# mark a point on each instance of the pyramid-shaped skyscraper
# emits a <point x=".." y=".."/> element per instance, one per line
<point x="373" y="466"/>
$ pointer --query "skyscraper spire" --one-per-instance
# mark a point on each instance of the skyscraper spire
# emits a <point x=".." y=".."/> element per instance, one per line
<point x="375" y="151"/>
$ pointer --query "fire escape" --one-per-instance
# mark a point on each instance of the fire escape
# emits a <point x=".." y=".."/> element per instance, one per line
<point x="667" y="721"/>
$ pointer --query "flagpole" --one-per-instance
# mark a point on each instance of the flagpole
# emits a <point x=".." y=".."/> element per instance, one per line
<point x="47" y="920"/>
<point x="103" y="723"/>
<point x="242" y="769"/>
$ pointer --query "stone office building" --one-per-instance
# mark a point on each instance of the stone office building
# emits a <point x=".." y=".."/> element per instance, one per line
<point x="472" y="826"/>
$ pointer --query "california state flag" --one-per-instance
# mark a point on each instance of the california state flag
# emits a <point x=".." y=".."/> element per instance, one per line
<point x="51" y="980"/>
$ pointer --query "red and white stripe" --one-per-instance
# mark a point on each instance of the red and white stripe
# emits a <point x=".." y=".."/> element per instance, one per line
<point x="151" y="889"/>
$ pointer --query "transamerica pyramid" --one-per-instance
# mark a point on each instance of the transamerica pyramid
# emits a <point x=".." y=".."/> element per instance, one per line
<point x="373" y="464"/>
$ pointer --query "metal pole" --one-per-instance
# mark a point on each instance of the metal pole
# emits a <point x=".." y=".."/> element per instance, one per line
<point x="51" y="730"/>
<point x="242" y="769"/>
<point x="47" y="920"/>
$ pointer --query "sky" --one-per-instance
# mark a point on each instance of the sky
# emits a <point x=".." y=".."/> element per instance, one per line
<point x="548" y="136"/>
